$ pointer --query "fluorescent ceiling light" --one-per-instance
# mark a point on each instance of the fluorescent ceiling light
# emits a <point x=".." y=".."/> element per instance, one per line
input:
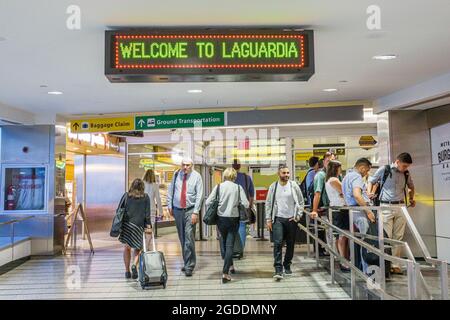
<point x="195" y="91"/>
<point x="60" y="127"/>
<point x="55" y="92"/>
<point x="385" y="57"/>
<point x="330" y="90"/>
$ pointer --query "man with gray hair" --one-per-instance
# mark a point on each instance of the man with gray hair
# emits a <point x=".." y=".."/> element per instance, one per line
<point x="184" y="200"/>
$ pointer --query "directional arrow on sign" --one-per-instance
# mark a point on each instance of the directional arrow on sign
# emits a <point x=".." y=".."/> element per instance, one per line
<point x="76" y="125"/>
<point x="141" y="123"/>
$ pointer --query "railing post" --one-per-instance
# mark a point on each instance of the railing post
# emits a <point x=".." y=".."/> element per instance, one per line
<point x="444" y="280"/>
<point x="352" y="257"/>
<point x="12" y="241"/>
<point x="308" y="240"/>
<point x="316" y="233"/>
<point x="412" y="283"/>
<point x="331" y="243"/>
<point x="381" y="246"/>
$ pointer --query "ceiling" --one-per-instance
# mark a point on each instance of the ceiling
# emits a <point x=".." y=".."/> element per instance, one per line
<point x="40" y="50"/>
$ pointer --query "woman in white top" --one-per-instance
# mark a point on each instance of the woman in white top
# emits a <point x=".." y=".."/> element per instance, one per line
<point x="228" y="216"/>
<point x="333" y="187"/>
<point x="152" y="189"/>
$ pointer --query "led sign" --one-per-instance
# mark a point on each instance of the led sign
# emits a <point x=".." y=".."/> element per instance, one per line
<point x="209" y="55"/>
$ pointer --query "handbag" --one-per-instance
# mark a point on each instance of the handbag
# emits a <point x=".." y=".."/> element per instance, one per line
<point x="210" y="217"/>
<point x="116" y="227"/>
<point x="243" y="213"/>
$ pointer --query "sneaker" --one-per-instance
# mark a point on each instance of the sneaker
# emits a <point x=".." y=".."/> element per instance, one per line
<point x="287" y="271"/>
<point x="278" y="276"/>
<point x="134" y="272"/>
<point x="128" y="275"/>
<point x="188" y="273"/>
<point x="183" y="269"/>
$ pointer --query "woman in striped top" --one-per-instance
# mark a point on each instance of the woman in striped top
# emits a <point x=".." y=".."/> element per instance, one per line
<point x="136" y="220"/>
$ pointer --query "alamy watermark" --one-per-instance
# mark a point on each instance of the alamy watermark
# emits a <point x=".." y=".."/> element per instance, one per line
<point x="221" y="146"/>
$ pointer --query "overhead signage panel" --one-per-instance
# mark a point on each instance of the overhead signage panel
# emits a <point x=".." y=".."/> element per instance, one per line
<point x="209" y="55"/>
<point x="214" y="119"/>
<point x="102" y="125"/>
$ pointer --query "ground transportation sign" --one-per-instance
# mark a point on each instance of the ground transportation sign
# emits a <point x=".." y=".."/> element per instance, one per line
<point x="242" y="54"/>
<point x="214" y="119"/>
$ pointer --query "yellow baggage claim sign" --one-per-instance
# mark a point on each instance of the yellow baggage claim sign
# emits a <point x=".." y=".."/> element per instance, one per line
<point x="102" y="125"/>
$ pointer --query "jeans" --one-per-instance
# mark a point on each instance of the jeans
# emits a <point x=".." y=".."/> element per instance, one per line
<point x="228" y="228"/>
<point x="362" y="223"/>
<point x="283" y="229"/>
<point x="186" y="234"/>
<point x="243" y="232"/>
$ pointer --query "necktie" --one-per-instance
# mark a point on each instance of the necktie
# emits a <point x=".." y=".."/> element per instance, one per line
<point x="183" y="193"/>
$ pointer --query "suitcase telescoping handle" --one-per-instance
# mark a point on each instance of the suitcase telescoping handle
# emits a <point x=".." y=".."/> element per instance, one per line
<point x="145" y="242"/>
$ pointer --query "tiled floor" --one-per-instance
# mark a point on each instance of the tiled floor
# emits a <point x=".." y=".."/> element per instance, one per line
<point x="101" y="276"/>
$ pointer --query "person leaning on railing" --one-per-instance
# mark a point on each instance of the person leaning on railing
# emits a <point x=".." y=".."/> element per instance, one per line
<point x="340" y="216"/>
<point x="355" y="194"/>
<point x="392" y="182"/>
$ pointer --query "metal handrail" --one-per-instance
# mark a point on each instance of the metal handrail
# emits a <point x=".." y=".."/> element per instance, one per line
<point x="16" y="220"/>
<point x="12" y="222"/>
<point x="442" y="265"/>
<point x="412" y="266"/>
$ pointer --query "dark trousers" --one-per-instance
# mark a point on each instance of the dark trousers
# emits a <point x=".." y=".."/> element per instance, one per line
<point x="186" y="234"/>
<point x="283" y="229"/>
<point x="228" y="228"/>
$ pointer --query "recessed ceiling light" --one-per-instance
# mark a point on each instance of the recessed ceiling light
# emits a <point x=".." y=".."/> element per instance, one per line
<point x="385" y="57"/>
<point x="330" y="90"/>
<point x="195" y="91"/>
<point x="55" y="92"/>
<point x="88" y="151"/>
<point x="76" y="148"/>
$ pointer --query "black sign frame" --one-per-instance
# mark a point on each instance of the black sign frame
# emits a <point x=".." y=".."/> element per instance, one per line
<point x="115" y="73"/>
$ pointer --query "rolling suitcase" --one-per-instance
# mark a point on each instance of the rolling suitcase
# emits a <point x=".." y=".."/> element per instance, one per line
<point x="152" y="267"/>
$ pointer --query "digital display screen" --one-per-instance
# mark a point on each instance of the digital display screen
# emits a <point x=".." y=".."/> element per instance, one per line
<point x="215" y="53"/>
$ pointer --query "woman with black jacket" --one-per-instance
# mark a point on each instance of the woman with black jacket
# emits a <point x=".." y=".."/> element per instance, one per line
<point x="136" y="221"/>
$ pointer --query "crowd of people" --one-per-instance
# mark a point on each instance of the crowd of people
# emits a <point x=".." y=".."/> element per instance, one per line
<point x="324" y="186"/>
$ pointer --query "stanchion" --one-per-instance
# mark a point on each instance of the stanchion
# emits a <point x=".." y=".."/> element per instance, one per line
<point x="260" y="207"/>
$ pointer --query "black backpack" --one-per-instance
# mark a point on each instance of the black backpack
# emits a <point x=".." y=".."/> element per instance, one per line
<point x="388" y="173"/>
<point x="310" y="194"/>
<point x="371" y="258"/>
<point x="303" y="189"/>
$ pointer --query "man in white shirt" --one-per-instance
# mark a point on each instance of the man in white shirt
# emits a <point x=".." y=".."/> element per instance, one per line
<point x="284" y="207"/>
<point x="184" y="200"/>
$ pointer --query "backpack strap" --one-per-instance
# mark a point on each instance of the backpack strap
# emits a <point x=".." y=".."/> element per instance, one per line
<point x="273" y="199"/>
<point x="387" y="172"/>
<point x="174" y="183"/>
<point x="406" y="174"/>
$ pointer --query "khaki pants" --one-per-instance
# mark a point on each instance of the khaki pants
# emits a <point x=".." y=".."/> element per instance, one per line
<point x="394" y="224"/>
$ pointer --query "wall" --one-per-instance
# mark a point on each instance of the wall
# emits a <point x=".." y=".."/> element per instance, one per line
<point x="40" y="140"/>
<point x="409" y="132"/>
<point x="440" y="143"/>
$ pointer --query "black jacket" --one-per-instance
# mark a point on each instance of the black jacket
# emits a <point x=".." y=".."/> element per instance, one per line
<point x="138" y="211"/>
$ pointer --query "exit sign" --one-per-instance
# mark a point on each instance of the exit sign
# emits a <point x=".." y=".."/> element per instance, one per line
<point x="158" y="55"/>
